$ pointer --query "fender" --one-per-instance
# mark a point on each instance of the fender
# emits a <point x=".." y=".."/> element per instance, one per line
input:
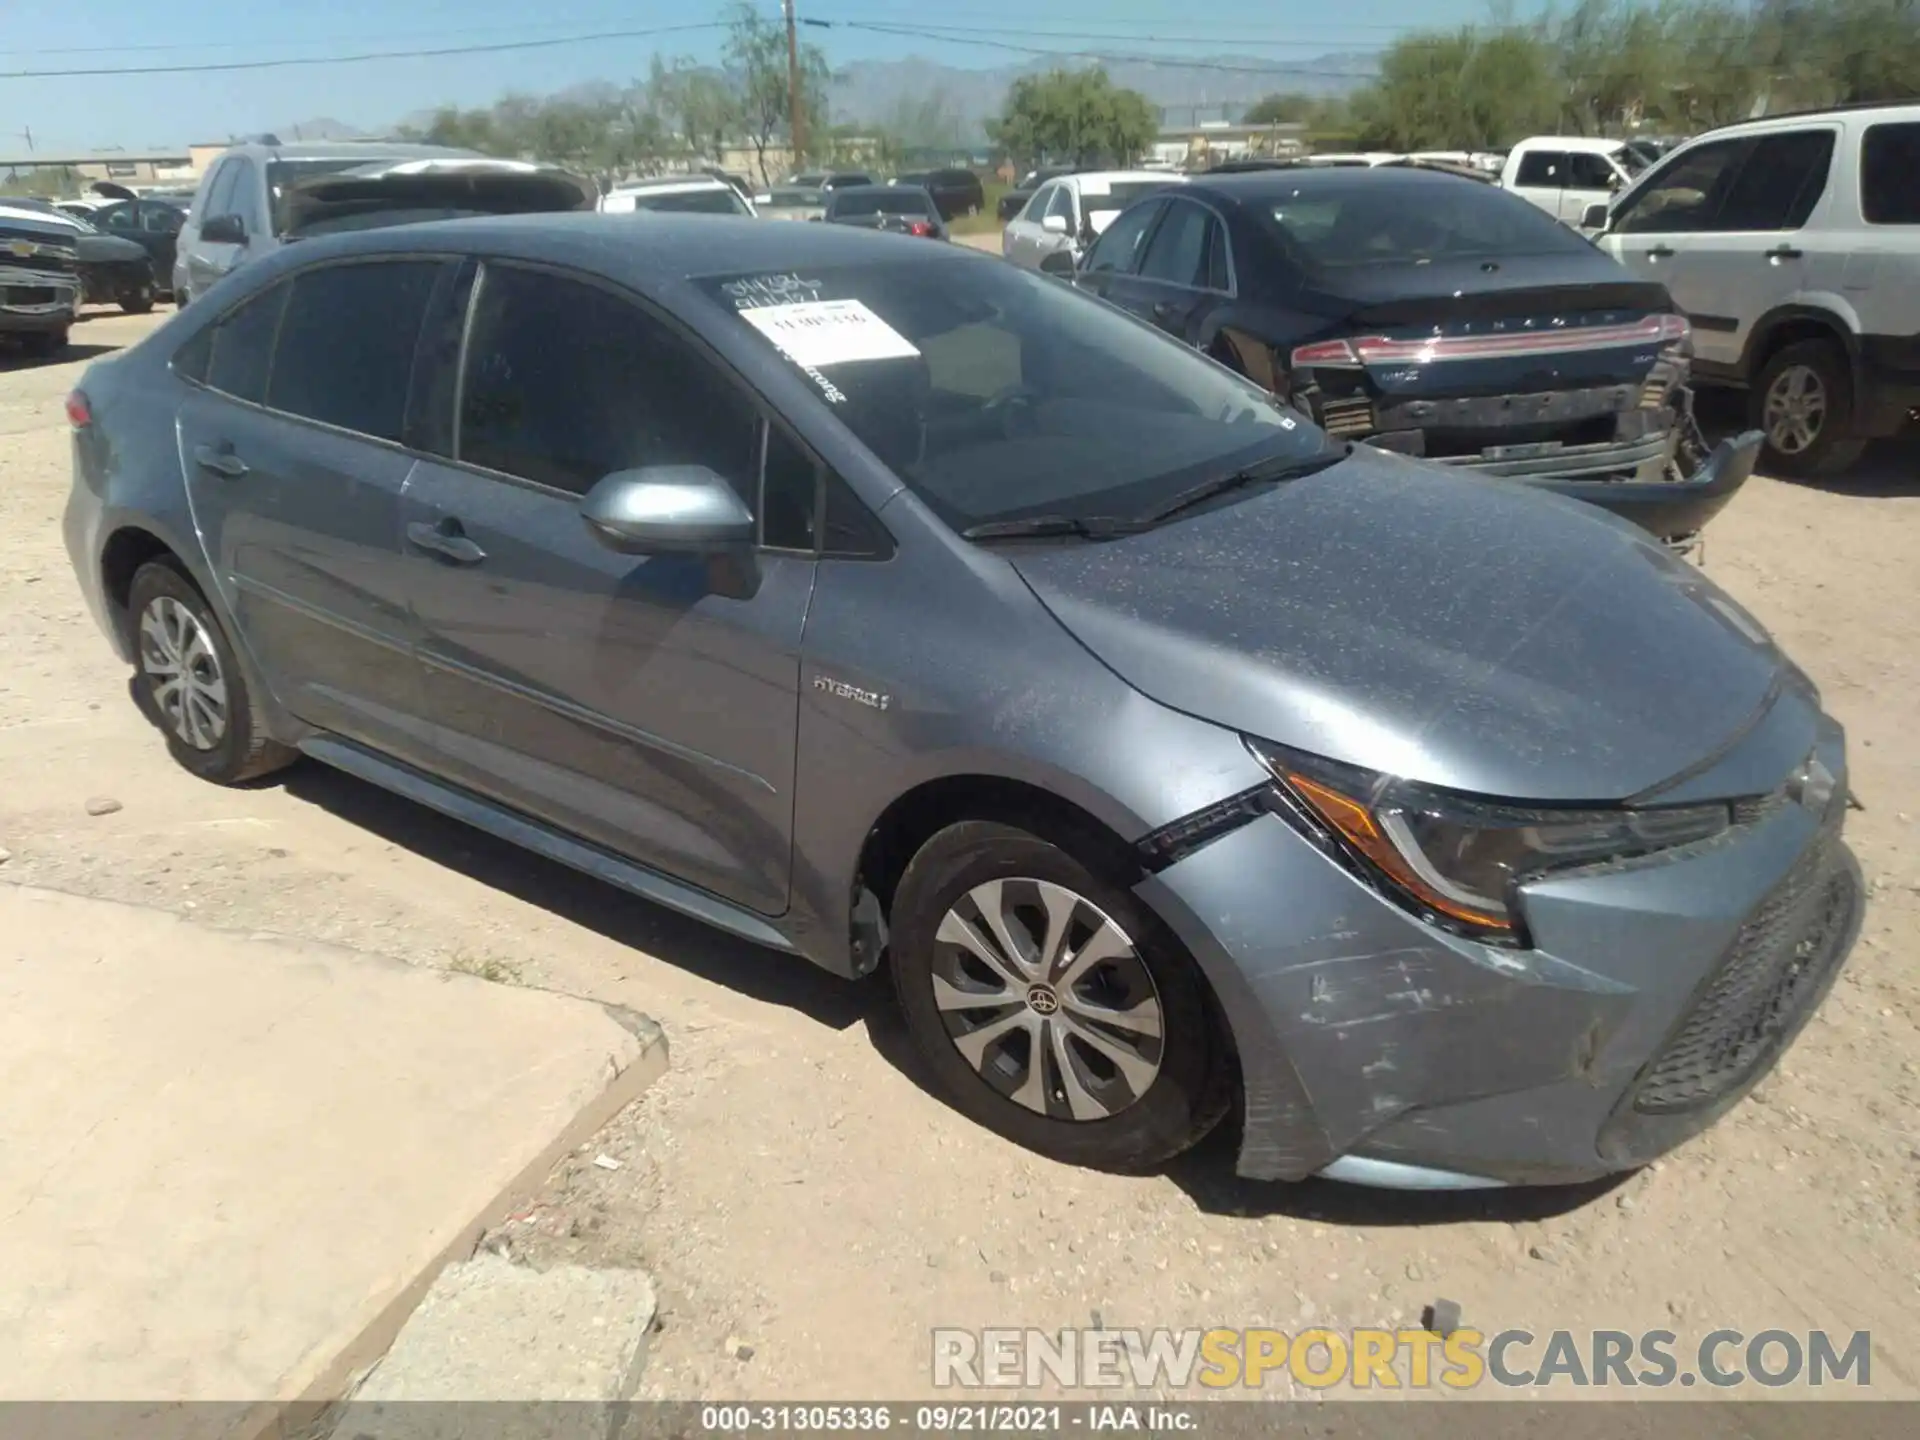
<point x="1830" y="312"/>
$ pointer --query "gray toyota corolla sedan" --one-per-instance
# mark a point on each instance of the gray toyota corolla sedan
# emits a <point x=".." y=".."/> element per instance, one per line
<point x="874" y="599"/>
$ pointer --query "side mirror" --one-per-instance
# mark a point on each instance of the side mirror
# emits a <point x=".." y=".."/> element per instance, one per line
<point x="1595" y="217"/>
<point x="1058" y="262"/>
<point x="667" y="509"/>
<point x="1055" y="224"/>
<point x="224" y="230"/>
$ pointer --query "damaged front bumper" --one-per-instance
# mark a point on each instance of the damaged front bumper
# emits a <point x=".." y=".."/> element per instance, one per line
<point x="1378" y="1049"/>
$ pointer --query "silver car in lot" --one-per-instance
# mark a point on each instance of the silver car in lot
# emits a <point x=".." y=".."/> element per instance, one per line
<point x="888" y="605"/>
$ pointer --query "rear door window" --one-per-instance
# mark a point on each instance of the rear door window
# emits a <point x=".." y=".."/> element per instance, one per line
<point x="1684" y="195"/>
<point x="1177" y="254"/>
<point x="1117" y="251"/>
<point x="243" y="346"/>
<point x="345" y="352"/>
<point x="1782" y="180"/>
<point x="1890" y="175"/>
<point x="1543" y="170"/>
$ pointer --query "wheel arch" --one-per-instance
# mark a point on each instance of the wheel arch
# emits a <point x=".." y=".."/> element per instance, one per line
<point x="1789" y="325"/>
<point x="919" y="813"/>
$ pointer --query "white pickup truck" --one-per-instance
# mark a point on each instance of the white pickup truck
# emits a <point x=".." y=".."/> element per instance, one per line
<point x="1564" y="174"/>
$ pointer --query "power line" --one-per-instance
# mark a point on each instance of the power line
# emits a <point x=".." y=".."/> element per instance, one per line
<point x="1170" y="62"/>
<point x="284" y="62"/>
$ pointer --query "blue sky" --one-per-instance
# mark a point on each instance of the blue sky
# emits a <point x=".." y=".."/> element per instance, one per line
<point x="134" y="111"/>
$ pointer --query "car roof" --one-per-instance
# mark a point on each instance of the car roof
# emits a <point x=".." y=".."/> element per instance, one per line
<point x="665" y="183"/>
<point x="892" y="189"/>
<point x="1573" y="144"/>
<point x="1081" y="177"/>
<point x="369" y="150"/>
<point x="1258" y="186"/>
<point x="677" y="247"/>
<point x="1863" y="113"/>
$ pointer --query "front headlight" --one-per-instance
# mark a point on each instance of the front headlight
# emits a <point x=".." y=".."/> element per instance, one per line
<point x="1457" y="861"/>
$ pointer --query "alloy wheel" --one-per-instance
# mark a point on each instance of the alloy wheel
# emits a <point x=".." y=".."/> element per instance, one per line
<point x="1796" y="409"/>
<point x="183" y="673"/>
<point x="1047" y="999"/>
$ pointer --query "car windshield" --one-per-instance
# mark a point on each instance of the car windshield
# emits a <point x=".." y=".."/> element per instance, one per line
<point x="1382" y="223"/>
<point x="880" y="202"/>
<point x="691" y="202"/>
<point x="996" y="393"/>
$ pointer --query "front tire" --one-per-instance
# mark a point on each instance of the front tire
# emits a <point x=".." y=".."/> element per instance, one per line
<point x="138" y="301"/>
<point x="1803" y="402"/>
<point x="1053" y="1007"/>
<point x="190" y="684"/>
<point x="44" y="344"/>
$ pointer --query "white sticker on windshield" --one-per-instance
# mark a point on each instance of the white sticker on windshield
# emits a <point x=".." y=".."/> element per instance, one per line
<point x="829" y="332"/>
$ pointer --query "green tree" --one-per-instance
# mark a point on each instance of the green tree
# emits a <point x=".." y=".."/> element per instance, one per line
<point x="756" y="54"/>
<point x="1073" y="116"/>
<point x="697" y="103"/>
<point x="1465" y="90"/>
<point x="1282" y="109"/>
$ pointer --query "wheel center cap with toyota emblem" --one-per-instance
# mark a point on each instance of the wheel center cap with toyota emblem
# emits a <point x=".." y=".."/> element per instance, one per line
<point x="1041" y="999"/>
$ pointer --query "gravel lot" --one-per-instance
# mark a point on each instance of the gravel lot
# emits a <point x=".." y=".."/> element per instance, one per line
<point x="800" y="1198"/>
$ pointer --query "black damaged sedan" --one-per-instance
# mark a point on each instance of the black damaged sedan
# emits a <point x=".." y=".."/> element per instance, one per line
<point x="1434" y="316"/>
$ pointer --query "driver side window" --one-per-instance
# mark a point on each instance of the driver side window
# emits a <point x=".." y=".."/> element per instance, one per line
<point x="1684" y="195"/>
<point x="1037" y="204"/>
<point x="1117" y="251"/>
<point x="1062" y="205"/>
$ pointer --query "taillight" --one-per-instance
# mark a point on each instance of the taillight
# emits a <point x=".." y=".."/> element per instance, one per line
<point x="79" y="412"/>
<point x="1327" y="352"/>
<point x="921" y="227"/>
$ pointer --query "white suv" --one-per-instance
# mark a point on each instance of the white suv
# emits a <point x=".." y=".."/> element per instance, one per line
<point x="1793" y="244"/>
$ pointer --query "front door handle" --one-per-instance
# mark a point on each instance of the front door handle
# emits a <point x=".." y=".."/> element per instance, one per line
<point x="1784" y="252"/>
<point x="446" y="539"/>
<point x="221" y="461"/>
<point x="1660" y="252"/>
<point x="1165" y="309"/>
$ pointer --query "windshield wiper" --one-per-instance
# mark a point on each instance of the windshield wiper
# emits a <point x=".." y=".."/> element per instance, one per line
<point x="1091" y="527"/>
<point x="1266" y="472"/>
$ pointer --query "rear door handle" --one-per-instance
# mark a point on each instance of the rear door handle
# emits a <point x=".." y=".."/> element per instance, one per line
<point x="1164" y="309"/>
<point x="446" y="539"/>
<point x="1660" y="252"/>
<point x="1784" y="252"/>
<point x="221" y="461"/>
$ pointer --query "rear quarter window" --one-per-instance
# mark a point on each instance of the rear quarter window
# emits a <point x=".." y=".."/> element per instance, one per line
<point x="243" y="346"/>
<point x="1890" y="174"/>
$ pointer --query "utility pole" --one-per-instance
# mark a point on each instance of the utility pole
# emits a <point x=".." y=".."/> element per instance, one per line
<point x="796" y="121"/>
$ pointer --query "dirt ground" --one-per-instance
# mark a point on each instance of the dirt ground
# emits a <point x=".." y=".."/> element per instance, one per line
<point x="801" y="1199"/>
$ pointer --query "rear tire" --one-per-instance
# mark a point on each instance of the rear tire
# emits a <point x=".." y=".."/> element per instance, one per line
<point x="190" y="684"/>
<point x="44" y="344"/>
<point x="1132" y="1067"/>
<point x="1803" y="402"/>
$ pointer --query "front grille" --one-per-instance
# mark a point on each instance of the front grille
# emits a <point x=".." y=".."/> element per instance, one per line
<point x="1774" y="972"/>
<point x="29" y="295"/>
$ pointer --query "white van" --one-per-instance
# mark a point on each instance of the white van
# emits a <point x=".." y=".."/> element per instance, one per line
<point x="1564" y="174"/>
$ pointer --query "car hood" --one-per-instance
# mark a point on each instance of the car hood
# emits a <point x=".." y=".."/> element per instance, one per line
<point x="409" y="189"/>
<point x="1445" y="628"/>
